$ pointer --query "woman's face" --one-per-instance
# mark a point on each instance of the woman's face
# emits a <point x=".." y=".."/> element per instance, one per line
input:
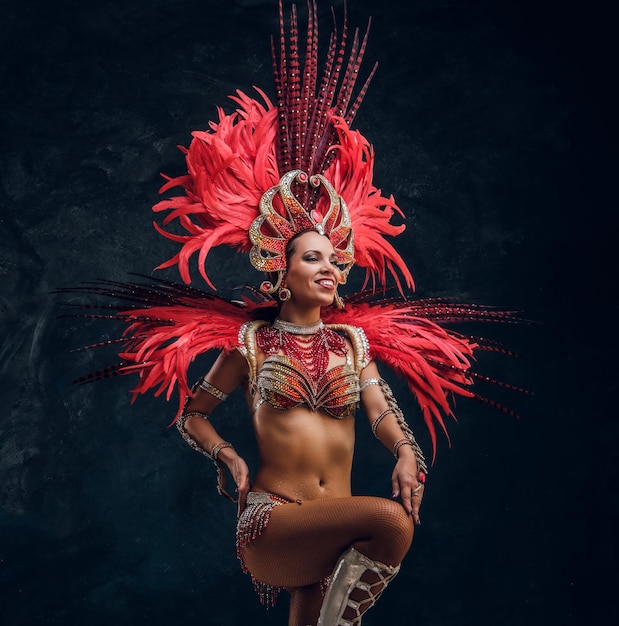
<point x="313" y="275"/>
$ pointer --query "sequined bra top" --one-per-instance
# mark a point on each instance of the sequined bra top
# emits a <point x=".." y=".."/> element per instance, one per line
<point x="284" y="382"/>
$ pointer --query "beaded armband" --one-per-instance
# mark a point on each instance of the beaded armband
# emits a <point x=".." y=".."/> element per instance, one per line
<point x="194" y="445"/>
<point x="406" y="429"/>
<point x="187" y="438"/>
<point x="368" y="382"/>
<point x="217" y="393"/>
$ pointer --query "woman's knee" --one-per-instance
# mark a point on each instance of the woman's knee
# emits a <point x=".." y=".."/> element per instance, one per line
<point x="393" y="531"/>
<point x="403" y="527"/>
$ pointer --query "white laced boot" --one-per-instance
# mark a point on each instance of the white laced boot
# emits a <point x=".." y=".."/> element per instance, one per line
<point x="345" y="579"/>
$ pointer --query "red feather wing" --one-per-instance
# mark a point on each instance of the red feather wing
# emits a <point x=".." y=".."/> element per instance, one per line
<point x="168" y="326"/>
<point x="409" y="337"/>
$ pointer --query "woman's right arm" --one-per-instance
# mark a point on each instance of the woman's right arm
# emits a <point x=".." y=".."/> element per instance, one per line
<point x="228" y="372"/>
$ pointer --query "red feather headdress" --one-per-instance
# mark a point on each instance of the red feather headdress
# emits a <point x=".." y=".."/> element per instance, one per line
<point x="265" y="173"/>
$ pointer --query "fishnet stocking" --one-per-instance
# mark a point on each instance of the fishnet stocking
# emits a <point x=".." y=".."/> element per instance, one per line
<point x="305" y="603"/>
<point x="302" y="543"/>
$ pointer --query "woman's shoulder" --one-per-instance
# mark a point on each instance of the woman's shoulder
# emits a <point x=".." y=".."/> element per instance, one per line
<point x="249" y="329"/>
<point x="358" y="340"/>
<point x="247" y="335"/>
<point x="248" y="344"/>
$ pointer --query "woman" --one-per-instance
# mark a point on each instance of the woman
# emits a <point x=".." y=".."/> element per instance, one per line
<point x="277" y="181"/>
<point x="306" y="455"/>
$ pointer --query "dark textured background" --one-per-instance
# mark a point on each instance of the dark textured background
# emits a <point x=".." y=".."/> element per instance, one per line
<point x="492" y="123"/>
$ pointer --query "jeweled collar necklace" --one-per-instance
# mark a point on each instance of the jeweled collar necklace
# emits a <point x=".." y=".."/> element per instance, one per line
<point x="298" y="329"/>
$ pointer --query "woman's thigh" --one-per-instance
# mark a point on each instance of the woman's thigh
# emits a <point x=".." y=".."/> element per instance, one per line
<point x="302" y="543"/>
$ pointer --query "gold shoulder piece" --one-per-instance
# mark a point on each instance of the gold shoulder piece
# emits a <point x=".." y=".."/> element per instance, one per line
<point x="360" y="344"/>
<point x="247" y="346"/>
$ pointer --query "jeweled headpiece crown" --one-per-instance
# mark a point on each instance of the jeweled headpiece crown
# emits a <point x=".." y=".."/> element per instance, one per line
<point x="282" y="217"/>
<point x="268" y="172"/>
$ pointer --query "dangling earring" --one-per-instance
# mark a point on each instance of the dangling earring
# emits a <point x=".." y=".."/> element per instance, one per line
<point x="284" y="294"/>
<point x="337" y="300"/>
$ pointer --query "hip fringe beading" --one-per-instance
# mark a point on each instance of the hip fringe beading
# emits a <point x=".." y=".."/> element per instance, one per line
<point x="250" y="525"/>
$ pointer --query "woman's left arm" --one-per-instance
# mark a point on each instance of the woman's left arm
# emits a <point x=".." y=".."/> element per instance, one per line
<point x="408" y="477"/>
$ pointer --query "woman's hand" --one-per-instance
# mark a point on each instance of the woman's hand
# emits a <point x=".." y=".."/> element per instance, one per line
<point x="405" y="483"/>
<point x="240" y="473"/>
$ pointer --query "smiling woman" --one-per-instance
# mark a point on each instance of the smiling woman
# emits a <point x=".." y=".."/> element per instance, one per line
<point x="304" y="381"/>
<point x="312" y="277"/>
<point x="291" y="184"/>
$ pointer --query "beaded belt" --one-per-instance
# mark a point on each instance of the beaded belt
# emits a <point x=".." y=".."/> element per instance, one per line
<point x="256" y="497"/>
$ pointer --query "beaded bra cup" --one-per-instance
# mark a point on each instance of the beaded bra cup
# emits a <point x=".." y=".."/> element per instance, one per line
<point x="285" y="383"/>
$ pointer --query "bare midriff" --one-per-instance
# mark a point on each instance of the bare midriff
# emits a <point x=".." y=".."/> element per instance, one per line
<point x="305" y="455"/>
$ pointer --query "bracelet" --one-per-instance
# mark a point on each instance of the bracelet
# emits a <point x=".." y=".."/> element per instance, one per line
<point x="378" y="420"/>
<point x="185" y="416"/>
<point x="398" y="444"/>
<point x="406" y="430"/>
<point x="421" y="462"/>
<point x="217" y="448"/>
<point x="218" y="393"/>
<point x="213" y="454"/>
<point x="221" y="476"/>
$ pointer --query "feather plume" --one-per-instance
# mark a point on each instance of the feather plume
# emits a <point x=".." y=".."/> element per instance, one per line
<point x="410" y="338"/>
<point x="244" y="154"/>
<point x="168" y="326"/>
<point x="229" y="168"/>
